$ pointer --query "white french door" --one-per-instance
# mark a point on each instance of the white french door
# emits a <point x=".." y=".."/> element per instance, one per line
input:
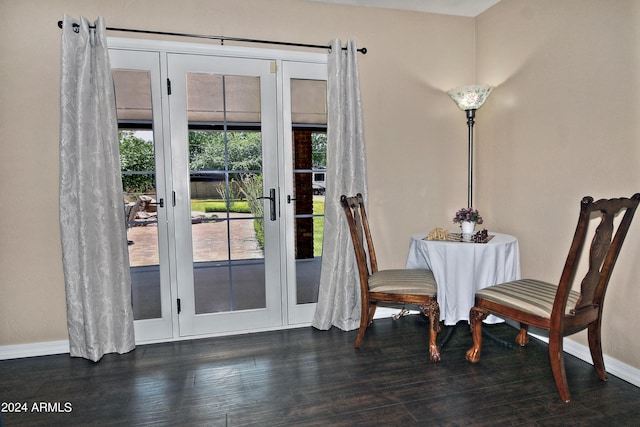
<point x="138" y="85"/>
<point x="235" y="288"/>
<point x="303" y="86"/>
<point x="233" y="242"/>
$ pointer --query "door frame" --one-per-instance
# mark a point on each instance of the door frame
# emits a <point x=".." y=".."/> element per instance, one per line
<point x="163" y="48"/>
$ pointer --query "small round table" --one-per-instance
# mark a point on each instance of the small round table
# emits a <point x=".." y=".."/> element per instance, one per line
<point x="462" y="268"/>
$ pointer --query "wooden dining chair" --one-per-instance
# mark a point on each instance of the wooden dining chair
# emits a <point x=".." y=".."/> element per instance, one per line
<point x="558" y="308"/>
<point x="396" y="286"/>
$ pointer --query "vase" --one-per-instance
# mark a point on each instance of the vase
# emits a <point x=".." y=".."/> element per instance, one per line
<point x="467" y="228"/>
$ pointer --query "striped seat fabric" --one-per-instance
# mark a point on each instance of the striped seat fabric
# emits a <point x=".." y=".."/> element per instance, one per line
<point x="533" y="296"/>
<point x="417" y="282"/>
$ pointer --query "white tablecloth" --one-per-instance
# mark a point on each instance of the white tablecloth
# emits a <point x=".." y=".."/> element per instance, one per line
<point x="460" y="269"/>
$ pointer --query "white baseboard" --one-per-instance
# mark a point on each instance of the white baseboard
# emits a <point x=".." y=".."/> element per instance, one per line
<point x="614" y="367"/>
<point x="33" y="349"/>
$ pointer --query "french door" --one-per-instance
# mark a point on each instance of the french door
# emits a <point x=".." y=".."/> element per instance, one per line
<point x="236" y="287"/>
<point x="145" y="168"/>
<point x="223" y="240"/>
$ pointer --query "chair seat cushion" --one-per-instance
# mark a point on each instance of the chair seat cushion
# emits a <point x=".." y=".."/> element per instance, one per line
<point x="528" y="295"/>
<point x="396" y="281"/>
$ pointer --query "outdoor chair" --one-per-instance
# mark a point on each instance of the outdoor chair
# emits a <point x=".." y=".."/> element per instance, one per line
<point x="130" y="211"/>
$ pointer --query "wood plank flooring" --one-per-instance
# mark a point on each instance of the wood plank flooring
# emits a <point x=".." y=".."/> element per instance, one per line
<point x="306" y="377"/>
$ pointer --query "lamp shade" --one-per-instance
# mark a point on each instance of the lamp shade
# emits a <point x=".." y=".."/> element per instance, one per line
<point x="470" y="97"/>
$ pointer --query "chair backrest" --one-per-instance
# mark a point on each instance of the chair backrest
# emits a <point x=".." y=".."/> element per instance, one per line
<point x="356" y="214"/>
<point x="603" y="252"/>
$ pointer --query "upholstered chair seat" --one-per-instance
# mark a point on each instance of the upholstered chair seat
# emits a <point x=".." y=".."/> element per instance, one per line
<point x="531" y="296"/>
<point x="418" y="282"/>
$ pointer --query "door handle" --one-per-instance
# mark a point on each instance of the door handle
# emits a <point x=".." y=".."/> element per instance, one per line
<point x="272" y="199"/>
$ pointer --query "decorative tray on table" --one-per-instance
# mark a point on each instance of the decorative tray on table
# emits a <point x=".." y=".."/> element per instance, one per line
<point x="441" y="234"/>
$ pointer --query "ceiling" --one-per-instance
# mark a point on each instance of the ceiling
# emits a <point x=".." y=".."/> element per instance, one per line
<point x="470" y="8"/>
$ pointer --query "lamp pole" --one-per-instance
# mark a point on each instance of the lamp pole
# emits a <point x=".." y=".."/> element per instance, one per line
<point x="471" y="114"/>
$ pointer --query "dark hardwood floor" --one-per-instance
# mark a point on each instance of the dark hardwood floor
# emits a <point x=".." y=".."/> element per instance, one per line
<point x="306" y="377"/>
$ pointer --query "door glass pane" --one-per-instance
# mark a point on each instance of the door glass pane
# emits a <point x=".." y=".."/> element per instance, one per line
<point x="308" y="107"/>
<point x="137" y="163"/>
<point x="225" y="162"/>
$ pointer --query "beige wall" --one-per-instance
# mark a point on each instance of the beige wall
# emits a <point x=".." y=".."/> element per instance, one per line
<point x="562" y="124"/>
<point x="412" y="59"/>
<point x="563" y="69"/>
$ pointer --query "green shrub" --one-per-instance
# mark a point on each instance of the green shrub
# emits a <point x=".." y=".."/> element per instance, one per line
<point x="251" y="187"/>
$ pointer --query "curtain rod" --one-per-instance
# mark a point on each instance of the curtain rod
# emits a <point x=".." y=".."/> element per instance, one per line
<point x="221" y="38"/>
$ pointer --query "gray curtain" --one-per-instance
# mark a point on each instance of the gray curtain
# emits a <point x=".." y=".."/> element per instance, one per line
<point x="339" y="294"/>
<point x="92" y="227"/>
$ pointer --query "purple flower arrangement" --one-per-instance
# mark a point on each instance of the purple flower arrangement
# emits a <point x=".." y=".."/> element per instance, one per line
<point x="468" y="214"/>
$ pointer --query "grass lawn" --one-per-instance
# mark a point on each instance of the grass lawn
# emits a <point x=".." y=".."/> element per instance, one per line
<point x="213" y="205"/>
<point x="318" y="226"/>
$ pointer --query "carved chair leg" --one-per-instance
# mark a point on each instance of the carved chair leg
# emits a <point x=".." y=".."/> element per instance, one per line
<point x="365" y="320"/>
<point x="556" y="356"/>
<point x="475" y="321"/>
<point x="433" y="311"/>
<point x="523" y="337"/>
<point x="595" y="346"/>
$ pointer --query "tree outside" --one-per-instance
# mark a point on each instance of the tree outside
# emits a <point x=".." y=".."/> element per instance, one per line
<point x="220" y="151"/>
<point x="319" y="150"/>
<point x="136" y="155"/>
<point x="208" y="151"/>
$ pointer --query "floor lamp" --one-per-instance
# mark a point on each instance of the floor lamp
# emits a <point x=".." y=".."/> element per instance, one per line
<point x="469" y="99"/>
